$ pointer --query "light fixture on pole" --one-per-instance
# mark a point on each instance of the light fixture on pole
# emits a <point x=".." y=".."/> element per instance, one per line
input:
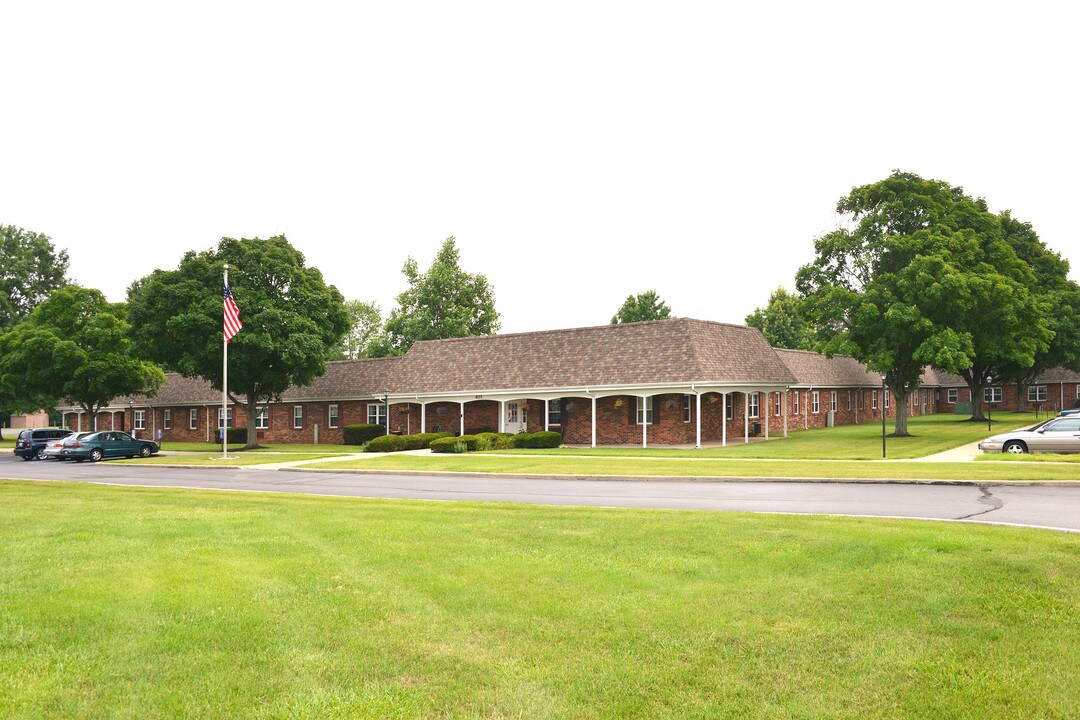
<point x="131" y="417"/>
<point x="883" y="391"/>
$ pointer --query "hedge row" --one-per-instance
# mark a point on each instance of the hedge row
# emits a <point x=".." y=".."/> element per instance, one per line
<point x="496" y="441"/>
<point x="397" y="443"/>
<point x="360" y="434"/>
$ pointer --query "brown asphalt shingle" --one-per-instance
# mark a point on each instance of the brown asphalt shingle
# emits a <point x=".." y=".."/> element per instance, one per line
<point x="811" y="368"/>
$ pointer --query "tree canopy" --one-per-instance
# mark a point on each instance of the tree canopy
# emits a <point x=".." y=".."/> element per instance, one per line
<point x="30" y="269"/>
<point x="921" y="277"/>
<point x="782" y="321"/>
<point x="365" y="327"/>
<point x="292" y="319"/>
<point x="443" y="302"/>
<point x="643" y="306"/>
<point x="74" y="346"/>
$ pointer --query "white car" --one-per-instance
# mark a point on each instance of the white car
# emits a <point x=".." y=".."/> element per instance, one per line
<point x="53" y="447"/>
<point x="1058" y="435"/>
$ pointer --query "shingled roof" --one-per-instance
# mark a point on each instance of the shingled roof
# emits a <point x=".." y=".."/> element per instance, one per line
<point x="662" y="351"/>
<point x="811" y="368"/>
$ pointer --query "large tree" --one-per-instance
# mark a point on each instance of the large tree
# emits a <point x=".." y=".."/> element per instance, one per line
<point x="30" y="269"/>
<point x="75" y="346"/>
<point x="1059" y="295"/>
<point x="643" y="306"/>
<point x="365" y="326"/>
<point x="782" y="321"/>
<point x="291" y="318"/>
<point x="443" y="302"/>
<point x="920" y="277"/>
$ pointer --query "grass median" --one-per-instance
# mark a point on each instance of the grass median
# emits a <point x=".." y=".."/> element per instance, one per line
<point x="233" y="460"/>
<point x="132" y="602"/>
<point x="174" y="446"/>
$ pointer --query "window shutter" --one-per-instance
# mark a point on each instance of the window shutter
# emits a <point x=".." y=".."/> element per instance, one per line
<point x="632" y="404"/>
<point x="657" y="401"/>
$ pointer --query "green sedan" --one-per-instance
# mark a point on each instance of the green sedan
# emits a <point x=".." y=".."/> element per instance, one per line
<point x="100" y="445"/>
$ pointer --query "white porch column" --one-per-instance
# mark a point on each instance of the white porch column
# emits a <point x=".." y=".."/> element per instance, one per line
<point x="594" y="421"/>
<point x="112" y="419"/>
<point x="746" y="417"/>
<point x="423" y="417"/>
<point x="502" y="416"/>
<point x="387" y="417"/>
<point x="784" y="400"/>
<point x="644" y="423"/>
<point x="723" y="419"/>
<point x="767" y="411"/>
<point x="462" y="419"/>
<point x="546" y="414"/>
<point x="697" y="417"/>
<point x="79" y="415"/>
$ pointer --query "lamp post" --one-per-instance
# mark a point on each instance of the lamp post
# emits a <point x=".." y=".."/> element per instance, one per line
<point x="386" y="400"/>
<point x="883" y="417"/>
<point x="131" y="417"/>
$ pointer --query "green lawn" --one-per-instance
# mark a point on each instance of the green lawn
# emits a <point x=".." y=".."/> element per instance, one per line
<point x="1030" y="457"/>
<point x="142" y="603"/>
<point x="929" y="434"/>
<point x="532" y="465"/>
<point x="235" y="459"/>
<point x="279" y="447"/>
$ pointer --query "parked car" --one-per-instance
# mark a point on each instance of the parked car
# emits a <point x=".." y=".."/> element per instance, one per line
<point x="1065" y="413"/>
<point x="31" y="442"/>
<point x="99" y="445"/>
<point x="53" y="447"/>
<point x="1057" y="435"/>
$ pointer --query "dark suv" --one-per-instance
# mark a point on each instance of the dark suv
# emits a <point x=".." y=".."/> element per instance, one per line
<point x="31" y="443"/>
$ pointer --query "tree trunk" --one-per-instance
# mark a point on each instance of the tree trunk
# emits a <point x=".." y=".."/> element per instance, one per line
<point x="901" y="413"/>
<point x="977" y="389"/>
<point x="1020" y="388"/>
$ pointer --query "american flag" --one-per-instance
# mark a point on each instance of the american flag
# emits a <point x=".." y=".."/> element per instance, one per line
<point x="232" y="316"/>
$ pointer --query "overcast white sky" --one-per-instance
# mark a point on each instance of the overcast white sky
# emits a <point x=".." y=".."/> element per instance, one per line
<point x="578" y="151"/>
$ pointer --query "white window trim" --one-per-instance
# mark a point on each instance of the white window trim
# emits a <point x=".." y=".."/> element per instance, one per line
<point x="648" y="410"/>
<point x="776" y="404"/>
<point x="753" y="401"/>
<point x="815" y="402"/>
<point x="873" y="399"/>
<point x="990" y="393"/>
<point x="798" y="394"/>
<point x="138" y="420"/>
<point x="333" y="415"/>
<point x="832" y="401"/>
<point x="193" y="419"/>
<point x="166" y="419"/>
<point x="262" y="421"/>
<point x="1033" y="390"/>
<point x="228" y="418"/>
<point x="298" y="419"/>
<point x="887" y="398"/>
<point x="555" y="408"/>
<point x="952" y="396"/>
<point x="687" y="409"/>
<point x="849" y="400"/>
<point x="380" y="412"/>
<point x="729" y="403"/>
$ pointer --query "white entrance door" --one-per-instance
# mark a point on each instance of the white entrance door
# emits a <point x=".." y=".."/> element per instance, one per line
<point x="515" y="417"/>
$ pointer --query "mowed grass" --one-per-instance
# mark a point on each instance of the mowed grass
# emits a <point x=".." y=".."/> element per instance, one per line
<point x="234" y="459"/>
<point x="140" y="603"/>
<point x="681" y="467"/>
<point x="1030" y="457"/>
<point x="930" y="434"/>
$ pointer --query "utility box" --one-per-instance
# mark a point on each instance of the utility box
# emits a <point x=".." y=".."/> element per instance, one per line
<point x="830" y="419"/>
<point x="962" y="408"/>
<point x="755" y="428"/>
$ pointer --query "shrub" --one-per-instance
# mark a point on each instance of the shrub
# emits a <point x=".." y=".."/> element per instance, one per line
<point x="234" y="435"/>
<point x="360" y="434"/>
<point x="419" y="441"/>
<point x="536" y="440"/>
<point x="446" y="444"/>
<point x="494" y="441"/>
<point x="387" y="443"/>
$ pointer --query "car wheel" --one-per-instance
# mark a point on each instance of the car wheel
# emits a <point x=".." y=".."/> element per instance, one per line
<point x="79" y="459"/>
<point x="95" y="454"/>
<point x="40" y="455"/>
<point x="144" y="451"/>
<point x="1014" y="447"/>
<point x="27" y="457"/>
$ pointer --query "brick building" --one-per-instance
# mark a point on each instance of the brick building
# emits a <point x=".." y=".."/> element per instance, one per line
<point x="678" y="381"/>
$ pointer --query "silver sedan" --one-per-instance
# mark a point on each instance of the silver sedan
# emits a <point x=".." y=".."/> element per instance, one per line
<point x="1059" y="435"/>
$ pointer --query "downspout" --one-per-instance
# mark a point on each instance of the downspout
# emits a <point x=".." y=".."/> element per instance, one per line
<point x="806" y="415"/>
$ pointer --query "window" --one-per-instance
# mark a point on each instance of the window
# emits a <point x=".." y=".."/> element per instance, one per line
<point x="193" y="419"/>
<point x="832" y="401"/>
<point x="992" y="395"/>
<point x="555" y="412"/>
<point x="686" y="412"/>
<point x="166" y="418"/>
<point x="798" y="394"/>
<point x="729" y="405"/>
<point x="777" y="403"/>
<point x="297" y="417"/>
<point x="376" y="413"/>
<point x="752" y="400"/>
<point x="886" y="398"/>
<point x="873" y="399"/>
<point x="951" y="396"/>
<point x="511" y="412"/>
<point x="1037" y="393"/>
<point x="262" y="418"/>
<point x="849" y="400"/>
<point x="139" y="421"/>
<point x="230" y="419"/>
<point x="815" y="402"/>
<point x="332" y="416"/>
<point x="644" y="412"/>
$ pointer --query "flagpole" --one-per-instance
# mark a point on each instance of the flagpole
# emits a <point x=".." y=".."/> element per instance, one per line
<point x="225" y="382"/>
